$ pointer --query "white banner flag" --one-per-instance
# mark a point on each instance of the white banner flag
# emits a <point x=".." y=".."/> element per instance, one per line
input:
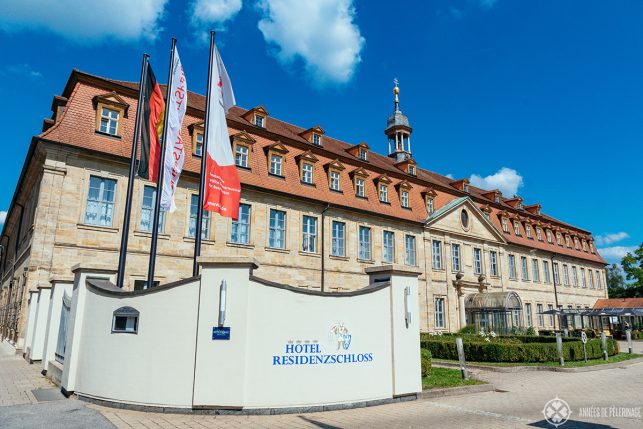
<point x="174" y="153"/>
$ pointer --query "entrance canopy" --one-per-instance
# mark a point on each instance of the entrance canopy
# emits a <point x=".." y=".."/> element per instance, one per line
<point x="494" y="311"/>
<point x="493" y="301"/>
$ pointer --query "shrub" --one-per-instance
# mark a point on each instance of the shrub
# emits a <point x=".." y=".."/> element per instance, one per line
<point x="530" y="349"/>
<point x="530" y="331"/>
<point x="425" y="360"/>
<point x="469" y="329"/>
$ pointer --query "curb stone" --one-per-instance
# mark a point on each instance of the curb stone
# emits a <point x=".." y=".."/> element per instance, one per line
<point x="456" y="391"/>
<point x="541" y="368"/>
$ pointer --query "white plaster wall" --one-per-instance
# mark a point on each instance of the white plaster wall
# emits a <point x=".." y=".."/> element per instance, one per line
<point x="40" y="325"/>
<point x="154" y="366"/>
<point x="58" y="290"/>
<point x="31" y="319"/>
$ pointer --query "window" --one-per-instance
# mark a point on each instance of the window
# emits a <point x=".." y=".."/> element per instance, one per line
<point x="317" y="139"/>
<point x="205" y="224"/>
<point x="567" y="242"/>
<point x="334" y="181"/>
<point x="528" y="230"/>
<point x="362" y="154"/>
<point x="147" y="210"/>
<point x="528" y="313"/>
<point x="465" y="188"/>
<point x="583" y="281"/>
<point x="412" y="170"/>
<point x="477" y="261"/>
<point x="259" y="121"/>
<point x="125" y="320"/>
<point x="574" y="276"/>
<point x="539" y="234"/>
<point x="309" y="234"/>
<point x="517" y="227"/>
<point x="364" y="252"/>
<point x="240" y="232"/>
<point x="437" y="255"/>
<point x="409" y="244"/>
<point x="241" y="156"/>
<point x="429" y="205"/>
<point x="591" y="279"/>
<point x="307" y="173"/>
<point x="100" y="201"/>
<point x="512" y="267"/>
<point x="525" y="270"/>
<point x="549" y="239"/>
<point x="576" y="244"/>
<point x="591" y="246"/>
<point x="505" y="228"/>
<point x="359" y="187"/>
<point x="565" y="275"/>
<point x="277" y="231"/>
<point x="464" y="219"/>
<point x="556" y="276"/>
<point x="535" y="270"/>
<point x="599" y="285"/>
<point x="541" y="317"/>
<point x="198" y="147"/>
<point x="388" y="246"/>
<point x="546" y="271"/>
<point x="276" y="162"/>
<point x="551" y="316"/>
<point x="383" y="193"/>
<point x="142" y="284"/>
<point x="455" y="257"/>
<point x="494" y="263"/>
<point x="439" y="312"/>
<point x="404" y="196"/>
<point x="109" y="121"/>
<point x="559" y="238"/>
<point x="584" y="246"/>
<point x="338" y="245"/>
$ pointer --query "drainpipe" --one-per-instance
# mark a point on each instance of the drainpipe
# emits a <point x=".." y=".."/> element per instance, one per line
<point x="323" y="259"/>
<point x="553" y="277"/>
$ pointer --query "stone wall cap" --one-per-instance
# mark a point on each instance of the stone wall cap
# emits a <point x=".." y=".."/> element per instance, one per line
<point x="43" y="287"/>
<point x="93" y="267"/>
<point x="225" y="260"/>
<point x="394" y="269"/>
<point x="59" y="278"/>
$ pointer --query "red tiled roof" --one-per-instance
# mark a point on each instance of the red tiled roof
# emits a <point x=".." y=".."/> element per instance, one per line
<point x="77" y="127"/>
<point x="619" y="303"/>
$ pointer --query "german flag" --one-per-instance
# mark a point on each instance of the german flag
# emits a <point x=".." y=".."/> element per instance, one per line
<point x="153" y="115"/>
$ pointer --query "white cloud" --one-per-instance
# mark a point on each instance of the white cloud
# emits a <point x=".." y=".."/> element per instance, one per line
<point x="615" y="253"/>
<point x="85" y="21"/>
<point x="487" y="4"/>
<point x="602" y="240"/>
<point x="506" y="179"/>
<point x="320" y="33"/>
<point x="449" y="175"/>
<point x="22" y="70"/>
<point x="3" y="216"/>
<point x="208" y="15"/>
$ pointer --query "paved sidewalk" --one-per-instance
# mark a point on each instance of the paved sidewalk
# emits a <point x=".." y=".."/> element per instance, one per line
<point x="518" y="403"/>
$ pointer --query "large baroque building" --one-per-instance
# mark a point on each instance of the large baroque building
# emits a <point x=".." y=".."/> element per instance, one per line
<point x="316" y="212"/>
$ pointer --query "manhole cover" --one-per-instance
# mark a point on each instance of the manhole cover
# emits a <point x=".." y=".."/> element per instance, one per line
<point x="43" y="395"/>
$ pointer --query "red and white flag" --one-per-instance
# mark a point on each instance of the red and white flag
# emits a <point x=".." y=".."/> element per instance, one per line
<point x="222" y="186"/>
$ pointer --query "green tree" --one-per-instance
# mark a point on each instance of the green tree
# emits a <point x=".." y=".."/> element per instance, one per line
<point x="633" y="266"/>
<point x="615" y="281"/>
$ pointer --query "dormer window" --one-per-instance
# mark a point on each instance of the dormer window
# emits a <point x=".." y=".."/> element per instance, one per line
<point x="334" y="181"/>
<point x="196" y="132"/>
<point x="567" y="241"/>
<point x="404" y="199"/>
<point x="429" y="205"/>
<point x="505" y="226"/>
<point x="109" y="121"/>
<point x="517" y="227"/>
<point x="276" y="165"/>
<point x="412" y="169"/>
<point x="260" y="121"/>
<point x="360" y="186"/>
<point x="528" y="230"/>
<point x="241" y="156"/>
<point x="198" y="145"/>
<point x="497" y="198"/>
<point x="520" y="206"/>
<point x="549" y="237"/>
<point x="591" y="246"/>
<point x="363" y="154"/>
<point x="276" y="158"/>
<point x="584" y="246"/>
<point x="242" y="147"/>
<point x="383" y="193"/>
<point x="316" y="139"/>
<point x="466" y="188"/>
<point x="334" y="169"/>
<point x="559" y="239"/>
<point x="576" y="243"/>
<point x="307" y="173"/>
<point x="539" y="233"/>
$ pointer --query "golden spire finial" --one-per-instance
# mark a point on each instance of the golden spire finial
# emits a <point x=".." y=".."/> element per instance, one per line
<point x="396" y="90"/>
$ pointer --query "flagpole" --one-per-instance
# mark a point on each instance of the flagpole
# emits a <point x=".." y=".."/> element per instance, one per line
<point x="204" y="154"/>
<point x="122" y="256"/>
<point x="159" y="185"/>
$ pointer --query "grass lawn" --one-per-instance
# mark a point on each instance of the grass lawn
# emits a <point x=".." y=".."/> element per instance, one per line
<point x="446" y="377"/>
<point x="570" y="364"/>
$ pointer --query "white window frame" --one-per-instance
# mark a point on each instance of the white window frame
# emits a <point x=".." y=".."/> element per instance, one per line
<point x="338" y="239"/>
<point x="240" y="229"/>
<point x="455" y="257"/>
<point x="241" y="156"/>
<point x="364" y="251"/>
<point x="512" y="267"/>
<point x="388" y="246"/>
<point x="307" y="173"/>
<point x="436" y="254"/>
<point x="556" y="273"/>
<point x="276" y="165"/>
<point x="546" y="277"/>
<point x="360" y="187"/>
<point x="429" y="205"/>
<point x="535" y="270"/>
<point x="524" y="268"/>
<point x="103" y="215"/>
<point x="108" y="118"/>
<point x="493" y="260"/>
<point x="565" y="275"/>
<point x="439" y="312"/>
<point x="409" y="247"/>
<point x="260" y="121"/>
<point x="309" y="234"/>
<point x="541" y="317"/>
<point x="528" y="314"/>
<point x="277" y="221"/>
<point x="517" y="228"/>
<point x="335" y="180"/>
<point x="477" y="260"/>
<point x="404" y="199"/>
<point x="383" y="193"/>
<point x="149" y="210"/>
<point x="198" y="145"/>
<point x="205" y="225"/>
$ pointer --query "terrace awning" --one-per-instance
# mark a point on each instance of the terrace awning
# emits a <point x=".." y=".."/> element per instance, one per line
<point x="493" y="300"/>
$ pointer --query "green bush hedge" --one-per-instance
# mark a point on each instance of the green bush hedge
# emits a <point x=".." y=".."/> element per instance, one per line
<point x="498" y="350"/>
<point x="425" y="359"/>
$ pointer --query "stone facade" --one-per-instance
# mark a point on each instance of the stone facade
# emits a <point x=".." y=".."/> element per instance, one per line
<point x="52" y="234"/>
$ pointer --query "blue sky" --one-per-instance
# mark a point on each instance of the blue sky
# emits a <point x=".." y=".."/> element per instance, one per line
<point x="543" y="98"/>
